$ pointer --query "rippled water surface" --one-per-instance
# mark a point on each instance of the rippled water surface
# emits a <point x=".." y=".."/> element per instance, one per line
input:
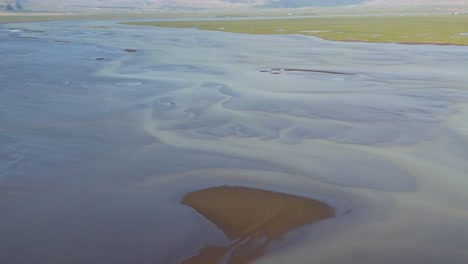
<point x="99" y="144"/>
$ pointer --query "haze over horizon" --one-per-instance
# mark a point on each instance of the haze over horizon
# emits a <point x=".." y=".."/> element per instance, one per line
<point x="64" y="5"/>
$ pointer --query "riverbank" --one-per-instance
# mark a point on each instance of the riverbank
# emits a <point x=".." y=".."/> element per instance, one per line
<point x="414" y="29"/>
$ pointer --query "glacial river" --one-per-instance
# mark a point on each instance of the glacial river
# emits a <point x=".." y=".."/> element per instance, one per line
<point x="104" y="127"/>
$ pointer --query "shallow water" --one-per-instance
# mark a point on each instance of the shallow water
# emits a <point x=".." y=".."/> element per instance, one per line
<point x="97" y="153"/>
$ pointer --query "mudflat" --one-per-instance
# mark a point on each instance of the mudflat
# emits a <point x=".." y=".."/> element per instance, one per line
<point x="251" y="219"/>
<point x="95" y="155"/>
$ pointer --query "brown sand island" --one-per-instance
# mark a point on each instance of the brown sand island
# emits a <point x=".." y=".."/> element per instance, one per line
<point x="251" y="219"/>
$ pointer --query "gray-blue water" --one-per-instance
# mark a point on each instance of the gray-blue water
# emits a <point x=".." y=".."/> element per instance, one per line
<point x="97" y="145"/>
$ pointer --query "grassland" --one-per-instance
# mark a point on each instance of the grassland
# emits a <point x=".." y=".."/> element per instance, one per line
<point x="328" y="23"/>
<point x="440" y="29"/>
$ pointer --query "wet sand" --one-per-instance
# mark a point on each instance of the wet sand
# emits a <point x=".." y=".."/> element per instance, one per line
<point x="251" y="219"/>
<point x="280" y="70"/>
<point x="97" y="154"/>
<point x="130" y="50"/>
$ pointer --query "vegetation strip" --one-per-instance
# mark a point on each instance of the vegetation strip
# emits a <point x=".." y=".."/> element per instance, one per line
<point x="414" y="29"/>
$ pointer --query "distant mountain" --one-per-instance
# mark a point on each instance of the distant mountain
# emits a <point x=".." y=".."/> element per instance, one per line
<point x="10" y="5"/>
<point x="418" y="2"/>
<point x="304" y="3"/>
<point x="74" y="5"/>
<point x="83" y="5"/>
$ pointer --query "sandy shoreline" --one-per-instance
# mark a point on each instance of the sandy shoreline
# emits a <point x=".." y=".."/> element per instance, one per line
<point x="402" y="42"/>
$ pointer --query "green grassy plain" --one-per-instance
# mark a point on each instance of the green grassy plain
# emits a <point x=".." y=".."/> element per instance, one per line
<point x="340" y="24"/>
<point x="440" y="29"/>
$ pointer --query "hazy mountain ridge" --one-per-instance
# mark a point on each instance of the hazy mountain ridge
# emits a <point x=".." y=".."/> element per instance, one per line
<point x="73" y="5"/>
<point x="304" y="3"/>
<point x="418" y="2"/>
<point x="66" y="5"/>
<point x="10" y="5"/>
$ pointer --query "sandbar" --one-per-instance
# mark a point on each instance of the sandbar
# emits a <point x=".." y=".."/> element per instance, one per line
<point x="251" y="219"/>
